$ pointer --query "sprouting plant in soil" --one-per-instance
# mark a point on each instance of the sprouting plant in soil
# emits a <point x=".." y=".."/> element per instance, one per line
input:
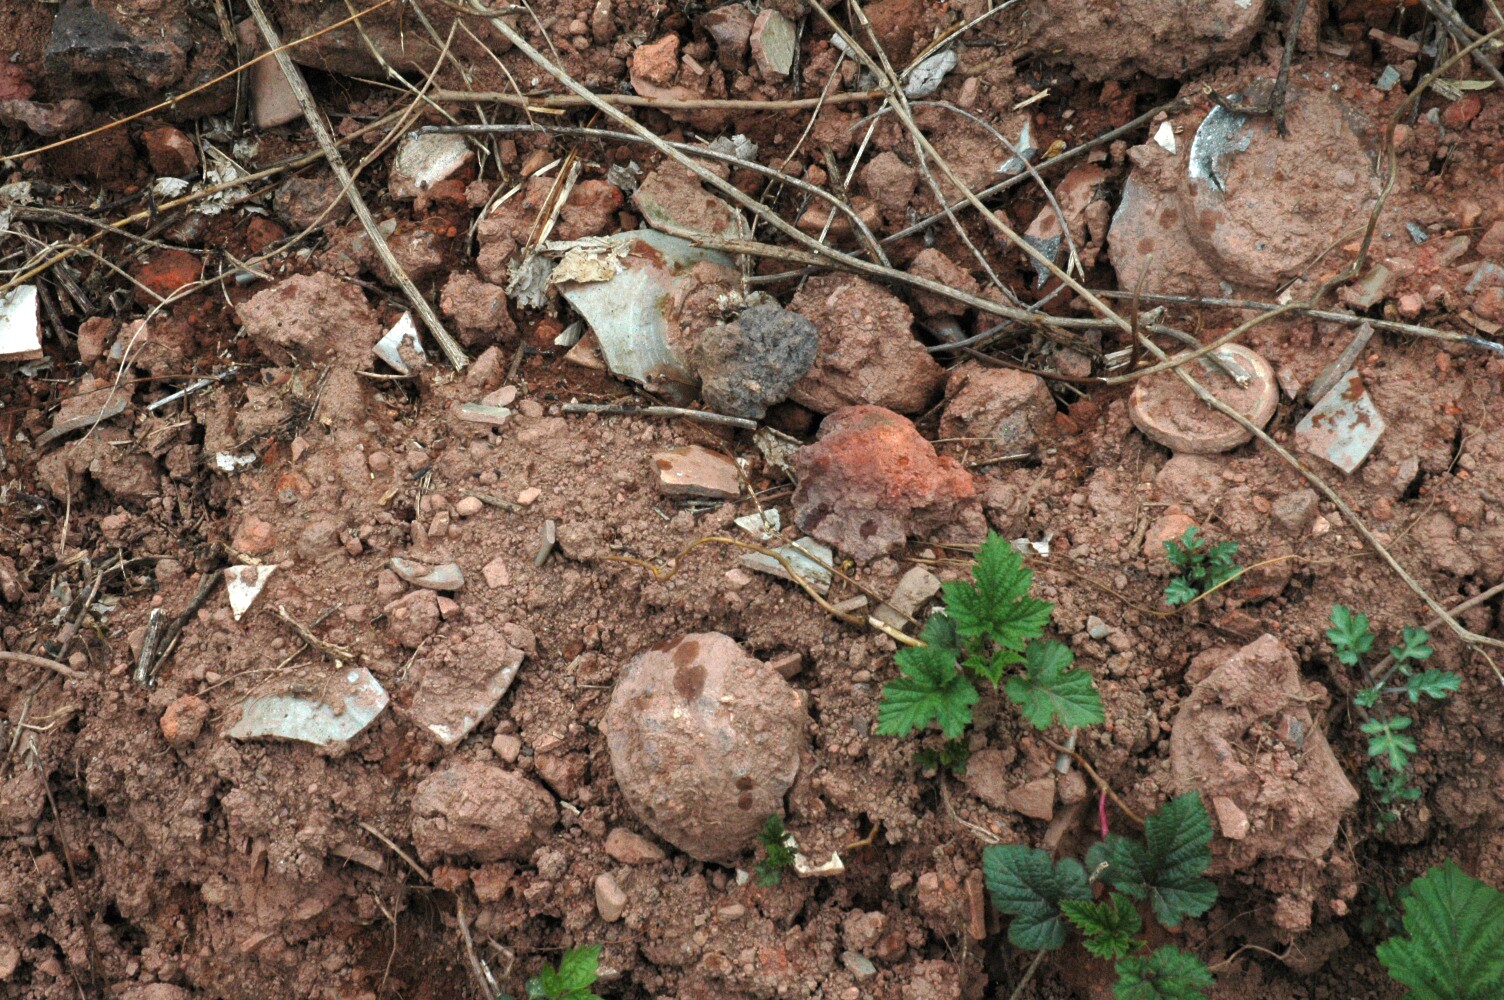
<point x="1454" y="943"/>
<point x="778" y="852"/>
<point x="1166" y="869"/>
<point x="952" y="756"/>
<point x="1390" y="746"/>
<point x="989" y="624"/>
<point x="1202" y="567"/>
<point x="573" y="978"/>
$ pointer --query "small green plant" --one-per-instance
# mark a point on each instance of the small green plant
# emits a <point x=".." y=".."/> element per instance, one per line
<point x="1202" y="568"/>
<point x="990" y="623"/>
<point x="952" y="756"/>
<point x="1390" y="746"/>
<point x="1454" y="943"/>
<point x="571" y="980"/>
<point x="777" y="854"/>
<point x="1167" y="869"/>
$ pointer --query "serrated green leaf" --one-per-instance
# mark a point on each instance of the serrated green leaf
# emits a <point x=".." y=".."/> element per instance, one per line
<point x="939" y="630"/>
<point x="997" y="606"/>
<point x="1454" y="948"/>
<point x="1025" y="884"/>
<point x="1349" y="635"/>
<point x="577" y="969"/>
<point x="1178" y="591"/>
<point x="1167" y="866"/>
<point x="1415" y="644"/>
<point x="1166" y="974"/>
<point x="931" y="689"/>
<point x="1368" y="697"/>
<point x="1433" y="683"/>
<point x="1051" y="691"/>
<point x="1107" y="928"/>
<point x="1387" y="740"/>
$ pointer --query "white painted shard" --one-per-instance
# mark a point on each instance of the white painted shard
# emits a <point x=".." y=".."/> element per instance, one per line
<point x="243" y="584"/>
<point x="20" y="326"/>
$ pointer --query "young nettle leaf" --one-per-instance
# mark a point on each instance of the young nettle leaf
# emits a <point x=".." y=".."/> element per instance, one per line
<point x="997" y="605"/>
<point x="1167" y="866"/>
<point x="1415" y="644"/>
<point x="1107" y="928"/>
<point x="1349" y="635"/>
<point x="1433" y="683"/>
<point x="1025" y="884"/>
<point x="1455" y="944"/>
<point x="1051" y="691"/>
<point x="1368" y="697"/>
<point x="931" y="689"/>
<point x="573" y="979"/>
<point x="1386" y="738"/>
<point x="1165" y="974"/>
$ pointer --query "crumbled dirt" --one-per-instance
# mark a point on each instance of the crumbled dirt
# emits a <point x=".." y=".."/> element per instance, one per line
<point x="547" y="773"/>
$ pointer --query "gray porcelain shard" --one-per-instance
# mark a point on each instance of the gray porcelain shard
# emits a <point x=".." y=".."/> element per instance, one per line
<point x="343" y="706"/>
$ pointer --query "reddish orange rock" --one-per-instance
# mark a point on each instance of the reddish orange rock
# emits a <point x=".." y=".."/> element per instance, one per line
<point x="183" y="720"/>
<point x="165" y="273"/>
<point x="870" y="481"/>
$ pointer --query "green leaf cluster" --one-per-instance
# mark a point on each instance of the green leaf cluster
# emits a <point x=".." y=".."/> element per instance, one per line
<point x="1389" y="745"/>
<point x="1166" y="868"/>
<point x="1453" y="948"/>
<point x="1202" y="567"/>
<point x="777" y="854"/>
<point x="990" y="623"/>
<point x="1168" y="865"/>
<point x="571" y="980"/>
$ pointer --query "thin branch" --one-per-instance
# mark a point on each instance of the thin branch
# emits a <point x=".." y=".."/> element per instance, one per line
<point x="28" y="660"/>
<point x="450" y="347"/>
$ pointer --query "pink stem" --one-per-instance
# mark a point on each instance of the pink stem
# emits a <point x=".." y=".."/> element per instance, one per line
<point x="1102" y="812"/>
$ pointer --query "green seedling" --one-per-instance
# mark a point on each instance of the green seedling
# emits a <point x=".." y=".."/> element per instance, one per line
<point x="1202" y="568"/>
<point x="777" y="854"/>
<point x="990" y="627"/>
<point x="1166" y="869"/>
<point x="571" y="980"/>
<point x="1454" y="943"/>
<point x="952" y="756"/>
<point x="1390" y="745"/>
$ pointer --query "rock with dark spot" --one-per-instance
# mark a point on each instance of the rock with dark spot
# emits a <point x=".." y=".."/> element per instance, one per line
<point x="480" y="812"/>
<point x="479" y="310"/>
<point x="750" y="364"/>
<point x="869" y="481"/>
<point x="704" y="742"/>
<point x="867" y="351"/>
<point x="316" y="199"/>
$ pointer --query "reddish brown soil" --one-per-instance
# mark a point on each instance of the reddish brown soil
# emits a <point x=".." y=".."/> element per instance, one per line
<point x="139" y="860"/>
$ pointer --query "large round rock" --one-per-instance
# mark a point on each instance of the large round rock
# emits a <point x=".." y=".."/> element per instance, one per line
<point x="705" y="741"/>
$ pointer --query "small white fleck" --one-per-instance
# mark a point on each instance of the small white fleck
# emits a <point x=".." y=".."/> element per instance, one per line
<point x="1166" y="137"/>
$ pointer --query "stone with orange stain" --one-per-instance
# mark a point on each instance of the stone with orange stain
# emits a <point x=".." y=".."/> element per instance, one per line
<point x="870" y="481"/>
<point x="164" y="273"/>
<point x="254" y="537"/>
<point x="183" y="720"/>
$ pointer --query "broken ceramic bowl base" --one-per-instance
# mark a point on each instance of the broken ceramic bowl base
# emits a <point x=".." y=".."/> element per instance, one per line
<point x="1344" y="426"/>
<point x="344" y="706"/>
